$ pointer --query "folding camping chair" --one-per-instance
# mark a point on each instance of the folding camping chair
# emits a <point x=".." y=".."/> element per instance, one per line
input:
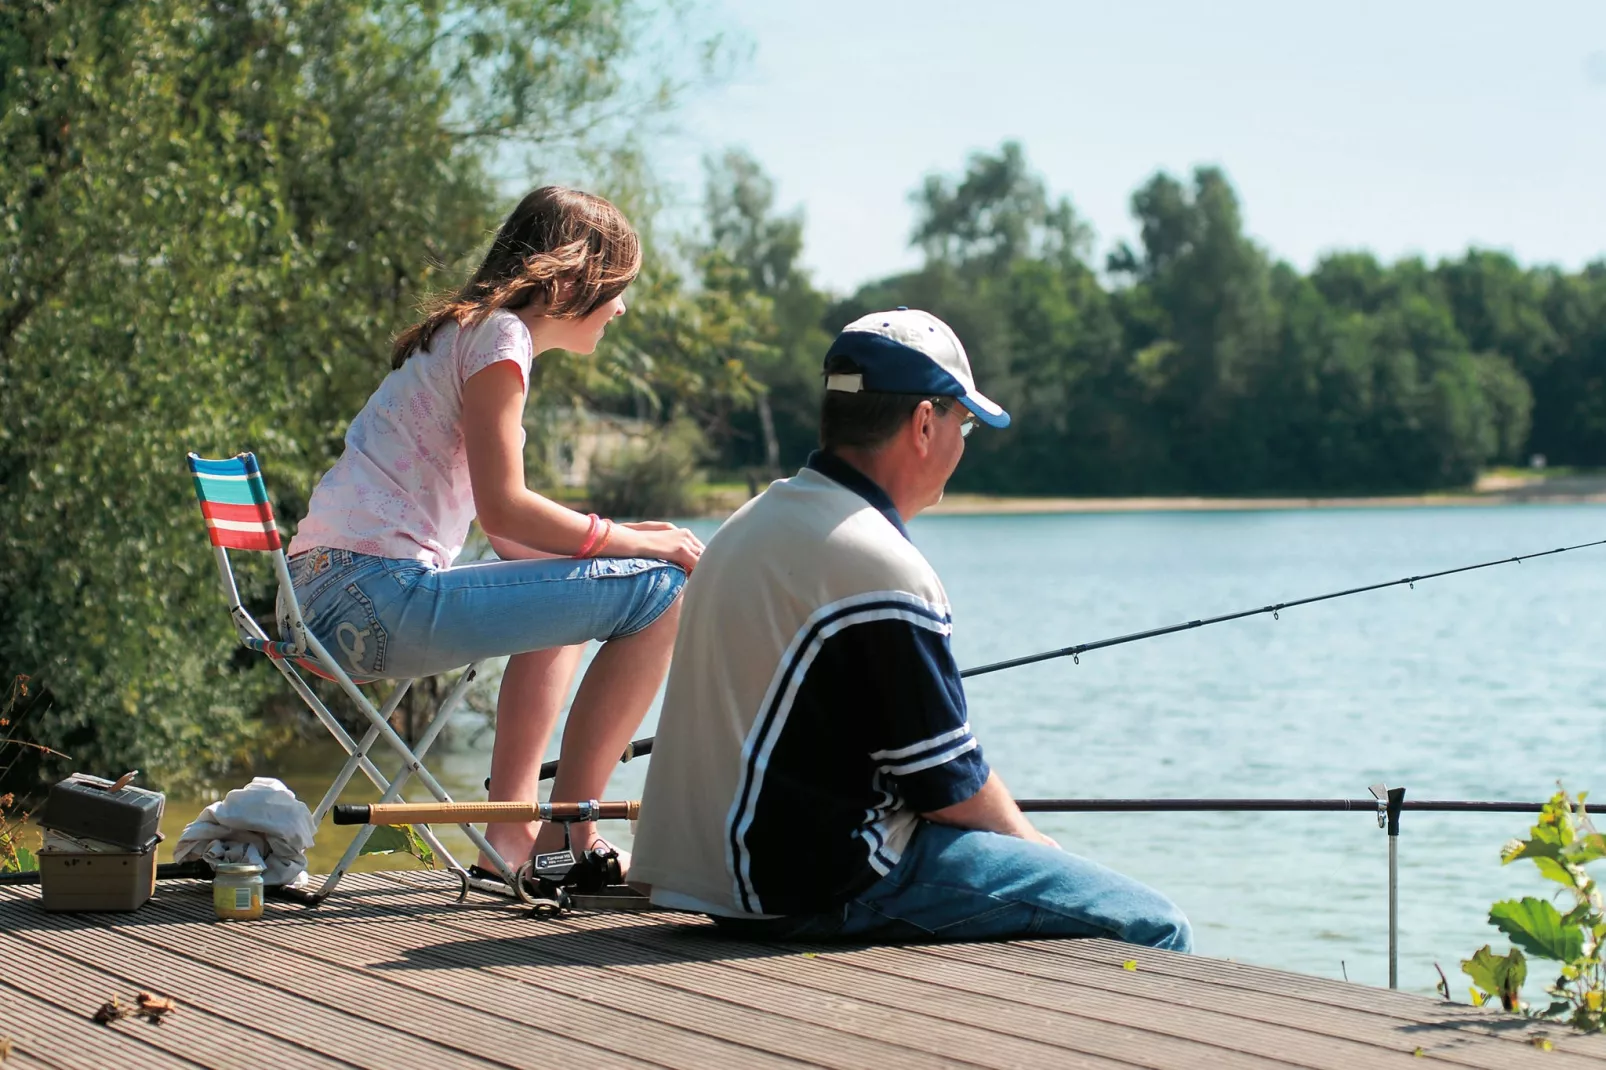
<point x="234" y="501"/>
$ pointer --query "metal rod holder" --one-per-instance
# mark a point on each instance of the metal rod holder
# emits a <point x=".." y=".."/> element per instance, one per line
<point x="1390" y="801"/>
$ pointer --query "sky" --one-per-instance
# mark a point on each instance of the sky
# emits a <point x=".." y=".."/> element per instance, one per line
<point x="1414" y="127"/>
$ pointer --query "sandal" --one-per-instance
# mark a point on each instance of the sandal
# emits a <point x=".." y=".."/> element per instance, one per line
<point x="492" y="882"/>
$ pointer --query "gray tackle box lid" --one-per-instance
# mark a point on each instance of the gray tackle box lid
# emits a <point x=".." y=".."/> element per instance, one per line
<point x="112" y="812"/>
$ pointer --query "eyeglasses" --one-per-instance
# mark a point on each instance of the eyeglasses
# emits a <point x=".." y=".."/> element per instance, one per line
<point x="966" y="425"/>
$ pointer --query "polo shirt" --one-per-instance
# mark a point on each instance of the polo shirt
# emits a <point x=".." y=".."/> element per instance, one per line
<point x="813" y="709"/>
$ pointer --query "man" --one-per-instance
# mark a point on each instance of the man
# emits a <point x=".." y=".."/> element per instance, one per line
<point x="814" y="774"/>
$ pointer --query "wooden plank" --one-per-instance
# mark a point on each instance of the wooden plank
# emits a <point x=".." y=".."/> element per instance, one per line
<point x="77" y="989"/>
<point x="1212" y="1040"/>
<point x="971" y="998"/>
<point x="854" y="1014"/>
<point x="1301" y="1037"/>
<point x="1404" y="1006"/>
<point x="43" y="1033"/>
<point x="391" y="972"/>
<point x="553" y="969"/>
<point x="990" y="1031"/>
<point x="268" y="1011"/>
<point x="512" y="1019"/>
<point x="1291" y="1040"/>
<point x="1465" y="1035"/>
<point x="1471" y="1040"/>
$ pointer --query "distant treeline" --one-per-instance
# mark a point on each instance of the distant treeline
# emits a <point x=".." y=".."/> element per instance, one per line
<point x="216" y="215"/>
<point x="1196" y="363"/>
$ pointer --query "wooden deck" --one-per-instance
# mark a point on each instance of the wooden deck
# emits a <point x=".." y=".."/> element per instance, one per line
<point x="392" y="974"/>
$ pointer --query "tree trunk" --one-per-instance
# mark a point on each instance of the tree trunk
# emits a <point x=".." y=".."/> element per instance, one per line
<point x="772" y="445"/>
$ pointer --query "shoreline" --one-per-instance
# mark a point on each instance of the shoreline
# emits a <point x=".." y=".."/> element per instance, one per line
<point x="984" y="504"/>
<point x="1491" y="489"/>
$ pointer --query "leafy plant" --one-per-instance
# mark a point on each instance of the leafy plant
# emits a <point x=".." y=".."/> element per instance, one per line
<point x="1561" y="844"/>
<point x="390" y="839"/>
<point x="14" y="857"/>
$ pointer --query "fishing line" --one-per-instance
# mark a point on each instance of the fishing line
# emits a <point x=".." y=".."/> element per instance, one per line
<point x="1075" y="652"/>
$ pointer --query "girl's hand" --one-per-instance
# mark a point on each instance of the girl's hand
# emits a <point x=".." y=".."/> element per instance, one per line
<point x="654" y="538"/>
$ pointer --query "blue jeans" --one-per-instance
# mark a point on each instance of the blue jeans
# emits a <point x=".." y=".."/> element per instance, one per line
<point x="388" y="618"/>
<point x="961" y="884"/>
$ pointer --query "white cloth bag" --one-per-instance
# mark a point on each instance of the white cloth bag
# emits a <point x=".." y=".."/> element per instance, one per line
<point x="262" y="823"/>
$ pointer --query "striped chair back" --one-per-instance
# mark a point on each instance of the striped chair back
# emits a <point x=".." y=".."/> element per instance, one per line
<point x="234" y="501"/>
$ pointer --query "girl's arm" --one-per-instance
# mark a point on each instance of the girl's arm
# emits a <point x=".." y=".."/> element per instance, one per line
<point x="510" y="512"/>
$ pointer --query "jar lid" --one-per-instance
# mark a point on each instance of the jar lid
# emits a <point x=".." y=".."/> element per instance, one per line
<point x="239" y="869"/>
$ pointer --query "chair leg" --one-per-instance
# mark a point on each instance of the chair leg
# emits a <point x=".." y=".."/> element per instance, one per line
<point x="393" y="791"/>
<point x="358" y="753"/>
<point x="354" y="762"/>
<point x="328" y="720"/>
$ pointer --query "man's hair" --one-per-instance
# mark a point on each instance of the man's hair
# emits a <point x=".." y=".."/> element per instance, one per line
<point x="865" y="420"/>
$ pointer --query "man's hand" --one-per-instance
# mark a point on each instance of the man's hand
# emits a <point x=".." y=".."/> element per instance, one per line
<point x="991" y="809"/>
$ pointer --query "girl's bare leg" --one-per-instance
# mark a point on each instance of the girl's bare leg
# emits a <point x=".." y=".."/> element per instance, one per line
<point x="534" y="686"/>
<point x="618" y="688"/>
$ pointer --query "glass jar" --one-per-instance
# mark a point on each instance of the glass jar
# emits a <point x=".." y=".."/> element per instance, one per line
<point x="237" y="891"/>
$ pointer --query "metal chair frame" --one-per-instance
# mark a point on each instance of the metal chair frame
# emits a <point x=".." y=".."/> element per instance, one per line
<point x="239" y="516"/>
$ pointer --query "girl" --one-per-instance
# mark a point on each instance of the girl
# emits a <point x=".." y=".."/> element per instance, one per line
<point x="441" y="442"/>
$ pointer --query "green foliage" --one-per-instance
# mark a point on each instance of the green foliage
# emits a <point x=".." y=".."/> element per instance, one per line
<point x="214" y="218"/>
<point x="753" y="254"/>
<point x="1204" y="366"/>
<point x="393" y="839"/>
<point x="1561" y="844"/>
<point x="652" y="480"/>
<point x="1496" y="976"/>
<point x="18" y="751"/>
<point x="14" y="857"/>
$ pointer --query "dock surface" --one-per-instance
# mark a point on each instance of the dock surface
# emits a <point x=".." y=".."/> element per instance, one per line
<point x="390" y="973"/>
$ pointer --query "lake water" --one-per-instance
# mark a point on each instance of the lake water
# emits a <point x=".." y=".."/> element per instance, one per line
<point x="1481" y="686"/>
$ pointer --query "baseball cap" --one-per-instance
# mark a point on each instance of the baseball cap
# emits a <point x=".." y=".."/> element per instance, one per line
<point x="907" y="351"/>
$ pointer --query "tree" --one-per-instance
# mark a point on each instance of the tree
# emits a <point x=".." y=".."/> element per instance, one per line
<point x="754" y="253"/>
<point x="998" y="213"/>
<point x="215" y="215"/>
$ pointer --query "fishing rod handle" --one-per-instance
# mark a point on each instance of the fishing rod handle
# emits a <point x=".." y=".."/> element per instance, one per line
<point x="638" y="748"/>
<point x="469" y="813"/>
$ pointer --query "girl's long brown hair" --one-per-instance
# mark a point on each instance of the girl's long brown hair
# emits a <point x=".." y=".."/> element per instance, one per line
<point x="564" y="251"/>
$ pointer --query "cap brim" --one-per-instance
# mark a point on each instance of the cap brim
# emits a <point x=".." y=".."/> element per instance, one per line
<point x="985" y="409"/>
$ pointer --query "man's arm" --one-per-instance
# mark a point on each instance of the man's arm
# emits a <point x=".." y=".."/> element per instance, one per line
<point x="991" y="809"/>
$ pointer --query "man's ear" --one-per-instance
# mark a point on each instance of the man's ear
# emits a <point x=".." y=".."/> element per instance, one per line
<point x="923" y="426"/>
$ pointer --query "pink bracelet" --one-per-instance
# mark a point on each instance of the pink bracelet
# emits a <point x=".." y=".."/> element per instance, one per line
<point x="591" y="537"/>
<point x="607" y="533"/>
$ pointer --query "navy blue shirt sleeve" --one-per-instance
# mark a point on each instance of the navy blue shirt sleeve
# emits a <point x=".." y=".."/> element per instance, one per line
<point x="900" y="679"/>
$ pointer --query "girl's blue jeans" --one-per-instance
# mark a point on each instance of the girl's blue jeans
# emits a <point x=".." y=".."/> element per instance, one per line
<point x="388" y="618"/>
<point x="962" y="884"/>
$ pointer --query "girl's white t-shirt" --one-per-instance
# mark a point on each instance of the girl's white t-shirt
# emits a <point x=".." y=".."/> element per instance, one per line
<point x="401" y="488"/>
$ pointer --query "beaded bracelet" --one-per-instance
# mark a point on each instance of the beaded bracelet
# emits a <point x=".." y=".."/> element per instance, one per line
<point x="591" y="537"/>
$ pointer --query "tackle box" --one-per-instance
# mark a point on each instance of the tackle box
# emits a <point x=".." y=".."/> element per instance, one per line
<point x="99" y="880"/>
<point x="115" y="813"/>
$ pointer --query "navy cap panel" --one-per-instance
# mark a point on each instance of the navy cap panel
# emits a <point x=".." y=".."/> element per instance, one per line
<point x="891" y="367"/>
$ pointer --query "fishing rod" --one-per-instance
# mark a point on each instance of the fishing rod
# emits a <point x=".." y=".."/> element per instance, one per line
<point x="1075" y="652"/>
<point x="641" y="747"/>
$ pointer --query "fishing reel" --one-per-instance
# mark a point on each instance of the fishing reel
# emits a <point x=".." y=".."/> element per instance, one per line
<point x="552" y="882"/>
